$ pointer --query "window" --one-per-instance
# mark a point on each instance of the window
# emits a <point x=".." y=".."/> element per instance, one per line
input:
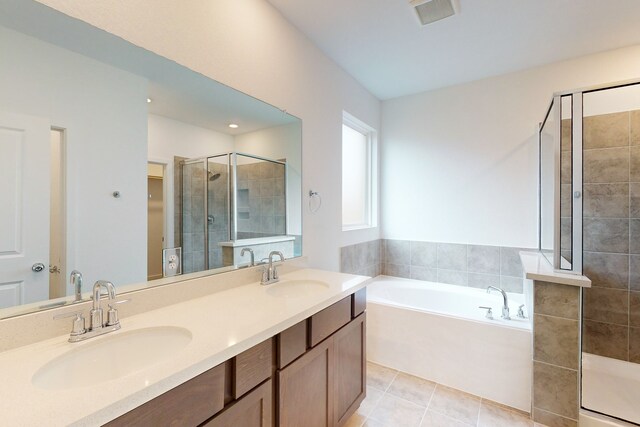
<point x="358" y="174"/>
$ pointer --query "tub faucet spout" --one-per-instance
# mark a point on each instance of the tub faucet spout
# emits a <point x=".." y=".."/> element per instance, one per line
<point x="505" y="300"/>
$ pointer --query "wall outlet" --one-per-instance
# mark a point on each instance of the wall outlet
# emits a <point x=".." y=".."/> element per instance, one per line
<point x="171" y="262"/>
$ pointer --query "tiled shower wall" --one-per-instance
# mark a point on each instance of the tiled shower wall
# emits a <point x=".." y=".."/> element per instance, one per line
<point x="261" y="200"/>
<point x="458" y="264"/>
<point x="611" y="308"/>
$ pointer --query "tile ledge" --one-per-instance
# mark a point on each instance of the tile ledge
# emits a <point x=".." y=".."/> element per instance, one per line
<point x="536" y="267"/>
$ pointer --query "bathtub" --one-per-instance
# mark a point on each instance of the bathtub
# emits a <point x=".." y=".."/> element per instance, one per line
<point x="437" y="332"/>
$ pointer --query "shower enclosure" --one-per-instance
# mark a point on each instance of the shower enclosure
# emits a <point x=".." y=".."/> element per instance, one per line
<point x="590" y="224"/>
<point x="226" y="199"/>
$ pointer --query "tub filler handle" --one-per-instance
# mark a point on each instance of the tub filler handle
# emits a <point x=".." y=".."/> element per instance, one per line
<point x="521" y="312"/>
<point x="489" y="314"/>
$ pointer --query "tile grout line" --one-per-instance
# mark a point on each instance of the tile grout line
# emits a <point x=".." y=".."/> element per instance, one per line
<point x="424" y="414"/>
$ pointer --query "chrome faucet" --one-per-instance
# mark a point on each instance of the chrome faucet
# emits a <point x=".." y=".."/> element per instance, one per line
<point x="97" y="325"/>
<point x="95" y="315"/>
<point x="505" y="306"/>
<point x="76" y="280"/>
<point x="244" y="251"/>
<point x="270" y="272"/>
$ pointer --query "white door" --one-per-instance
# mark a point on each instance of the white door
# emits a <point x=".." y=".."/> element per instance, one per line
<point x="24" y="208"/>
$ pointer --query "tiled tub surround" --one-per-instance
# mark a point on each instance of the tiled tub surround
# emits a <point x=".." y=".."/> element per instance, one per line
<point x="451" y="263"/>
<point x="362" y="258"/>
<point x="437" y="332"/>
<point x="611" y="320"/>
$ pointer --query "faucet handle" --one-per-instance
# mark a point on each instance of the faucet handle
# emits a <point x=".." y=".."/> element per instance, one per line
<point x="112" y="313"/>
<point x="78" y="327"/>
<point x="265" y="275"/>
<point x="521" y="312"/>
<point x="489" y="314"/>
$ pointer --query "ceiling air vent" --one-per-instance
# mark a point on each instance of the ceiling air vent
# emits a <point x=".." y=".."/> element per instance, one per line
<point x="433" y="10"/>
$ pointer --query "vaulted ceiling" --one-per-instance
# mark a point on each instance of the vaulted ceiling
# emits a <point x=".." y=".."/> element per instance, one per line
<point x="382" y="45"/>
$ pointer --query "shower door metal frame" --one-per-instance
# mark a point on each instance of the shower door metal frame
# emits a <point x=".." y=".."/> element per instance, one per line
<point x="576" y="182"/>
<point x="204" y="161"/>
<point x="577" y="207"/>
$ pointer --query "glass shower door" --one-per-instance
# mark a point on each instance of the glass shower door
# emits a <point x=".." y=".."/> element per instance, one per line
<point x="193" y="216"/>
<point x="218" y="212"/>
<point x="611" y="307"/>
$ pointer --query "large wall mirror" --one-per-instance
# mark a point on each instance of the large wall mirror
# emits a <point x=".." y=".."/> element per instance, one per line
<point x="118" y="164"/>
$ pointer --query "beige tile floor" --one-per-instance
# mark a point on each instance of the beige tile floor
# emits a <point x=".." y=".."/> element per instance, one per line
<point x="396" y="399"/>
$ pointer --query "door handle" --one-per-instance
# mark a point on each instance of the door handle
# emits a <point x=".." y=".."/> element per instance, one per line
<point x="37" y="267"/>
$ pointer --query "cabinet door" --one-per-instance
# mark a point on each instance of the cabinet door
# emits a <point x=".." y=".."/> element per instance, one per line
<point x="253" y="410"/>
<point x="305" y="389"/>
<point x="349" y="355"/>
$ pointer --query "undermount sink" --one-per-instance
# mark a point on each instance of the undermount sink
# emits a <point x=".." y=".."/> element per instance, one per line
<point x="111" y="357"/>
<point x="297" y="288"/>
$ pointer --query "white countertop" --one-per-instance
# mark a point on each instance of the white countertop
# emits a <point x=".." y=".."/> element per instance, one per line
<point x="223" y="325"/>
<point x="537" y="267"/>
<point x="256" y="241"/>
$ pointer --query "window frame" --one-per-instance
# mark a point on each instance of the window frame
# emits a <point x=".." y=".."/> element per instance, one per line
<point x="371" y="173"/>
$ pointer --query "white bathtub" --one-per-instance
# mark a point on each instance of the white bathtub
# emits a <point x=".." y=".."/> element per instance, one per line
<point x="436" y="331"/>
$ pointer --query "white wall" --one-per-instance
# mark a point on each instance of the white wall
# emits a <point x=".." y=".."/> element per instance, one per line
<point x="459" y="164"/>
<point x="104" y="113"/>
<point x="169" y="138"/>
<point x="248" y="45"/>
<point x="280" y="142"/>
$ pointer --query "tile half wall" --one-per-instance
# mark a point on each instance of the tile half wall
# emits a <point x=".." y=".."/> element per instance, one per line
<point x="452" y="263"/>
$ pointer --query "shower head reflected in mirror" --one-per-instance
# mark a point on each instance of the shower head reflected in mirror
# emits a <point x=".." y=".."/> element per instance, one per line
<point x="213" y="176"/>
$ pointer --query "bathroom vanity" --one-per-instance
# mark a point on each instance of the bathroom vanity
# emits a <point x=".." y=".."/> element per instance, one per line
<point x="291" y="353"/>
<point x="312" y="373"/>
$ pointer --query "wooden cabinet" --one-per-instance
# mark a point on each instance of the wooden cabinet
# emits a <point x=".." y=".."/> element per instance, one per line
<point x="253" y="410"/>
<point x="251" y="367"/>
<point x="349" y="355"/>
<point x="310" y="375"/>
<point x="292" y="343"/>
<point x="329" y="320"/>
<point x="305" y="389"/>
<point x="189" y="404"/>
<point x="325" y="386"/>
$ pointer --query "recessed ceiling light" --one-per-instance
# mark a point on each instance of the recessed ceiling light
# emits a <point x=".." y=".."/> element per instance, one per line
<point x="148" y="100"/>
<point x="233" y="126"/>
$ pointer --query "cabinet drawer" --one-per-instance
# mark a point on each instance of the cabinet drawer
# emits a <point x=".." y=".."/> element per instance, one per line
<point x="202" y="395"/>
<point x="358" y="302"/>
<point x="292" y="343"/>
<point x="252" y="367"/>
<point x="253" y="410"/>
<point x="329" y="320"/>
